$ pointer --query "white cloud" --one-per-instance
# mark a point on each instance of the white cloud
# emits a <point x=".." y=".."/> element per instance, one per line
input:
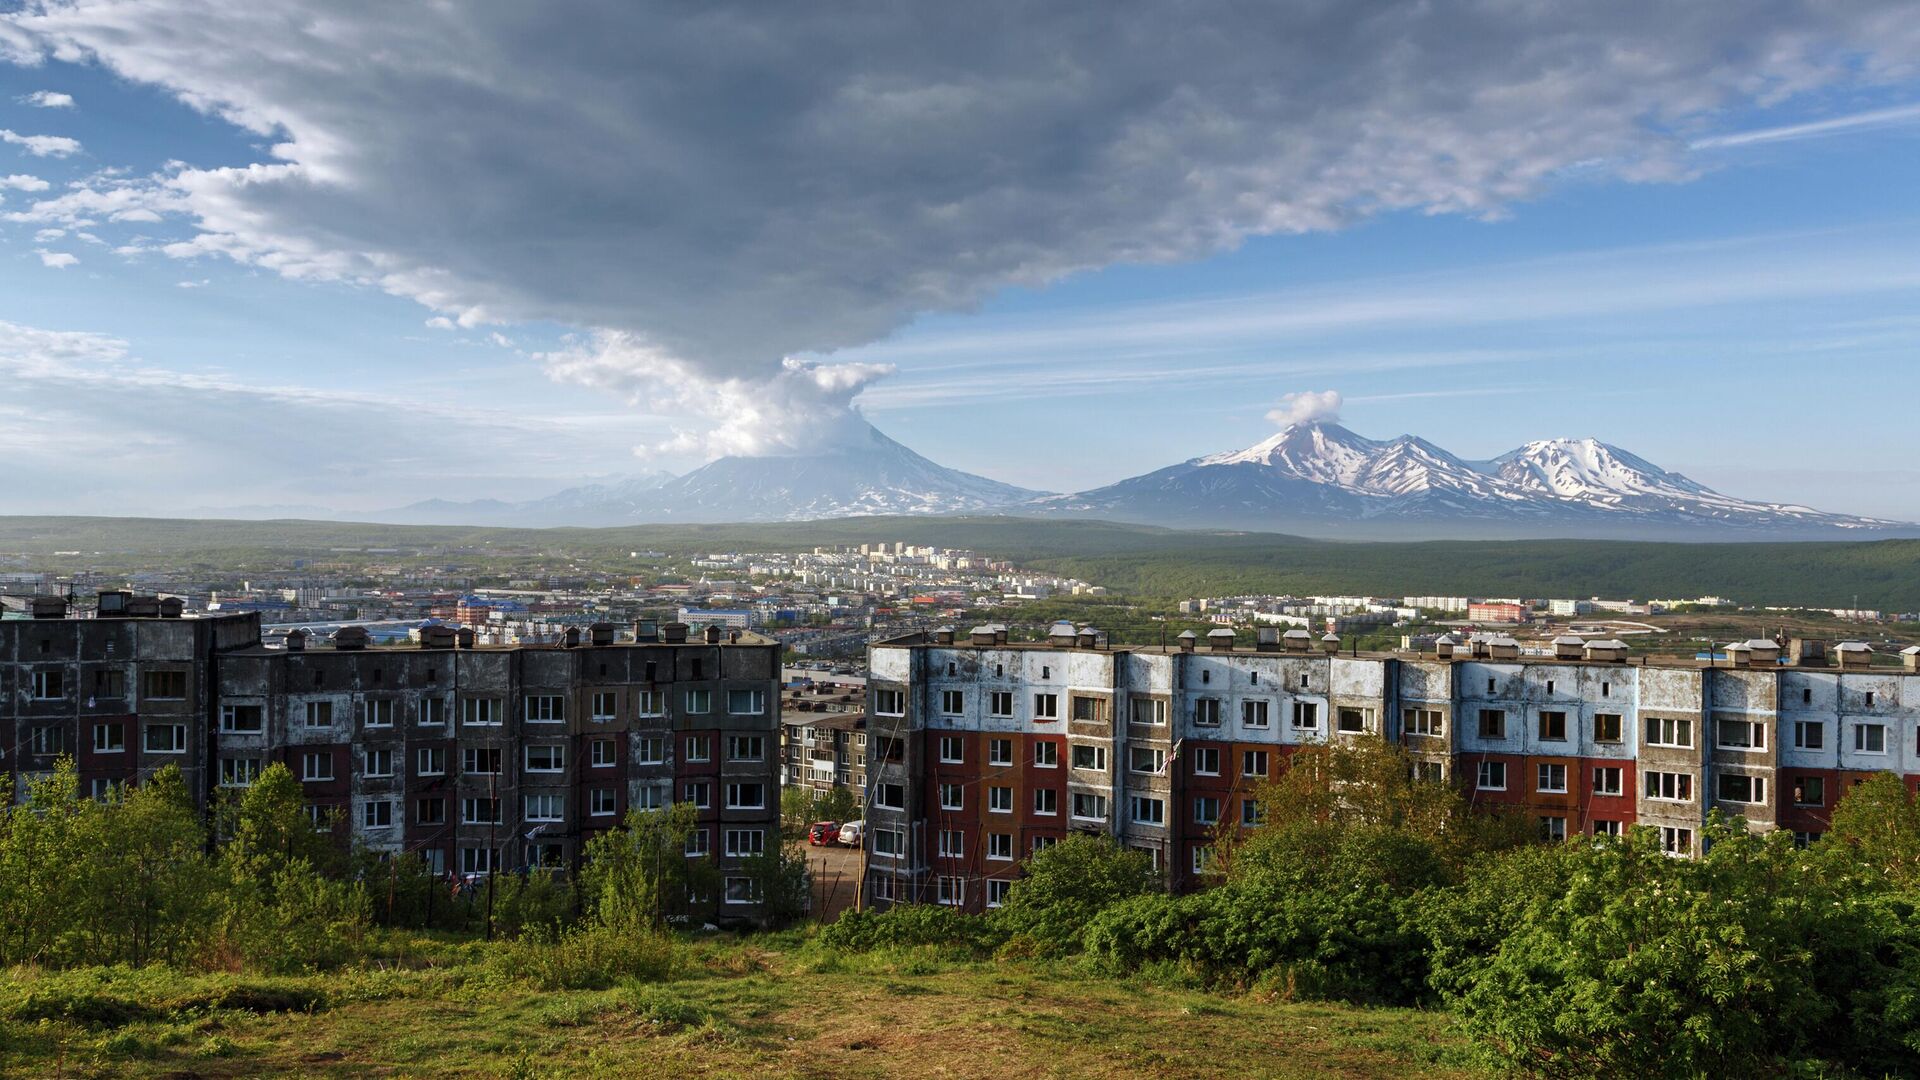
<point x="201" y="284"/>
<point x="1839" y="125"/>
<point x="1305" y="407"/>
<point x="500" y="339"/>
<point x="49" y="99"/>
<point x="47" y="236"/>
<point x="42" y="145"/>
<point x="440" y="322"/>
<point x="58" y="260"/>
<point x="23" y="182"/>
<point x="737" y="183"/>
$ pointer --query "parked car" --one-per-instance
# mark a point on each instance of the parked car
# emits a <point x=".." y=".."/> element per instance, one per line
<point x="851" y="832"/>
<point x="823" y="832"/>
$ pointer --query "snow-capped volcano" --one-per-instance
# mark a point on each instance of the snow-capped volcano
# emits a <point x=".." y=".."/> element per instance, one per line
<point x="1321" y="478"/>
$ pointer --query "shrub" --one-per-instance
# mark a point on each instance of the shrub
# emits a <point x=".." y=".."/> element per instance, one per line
<point x="908" y="926"/>
<point x="586" y="958"/>
<point x="1065" y="885"/>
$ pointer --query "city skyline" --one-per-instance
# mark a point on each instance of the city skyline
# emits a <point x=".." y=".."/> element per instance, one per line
<point x="1708" y="262"/>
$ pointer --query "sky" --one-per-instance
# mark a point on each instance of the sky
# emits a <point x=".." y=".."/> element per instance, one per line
<point x="288" y="256"/>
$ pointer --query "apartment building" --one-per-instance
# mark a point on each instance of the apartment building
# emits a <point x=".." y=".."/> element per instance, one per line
<point x="476" y="758"/>
<point x="124" y="694"/>
<point x="983" y="750"/>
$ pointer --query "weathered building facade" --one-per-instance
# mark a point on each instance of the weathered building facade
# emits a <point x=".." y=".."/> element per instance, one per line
<point x="982" y="750"/>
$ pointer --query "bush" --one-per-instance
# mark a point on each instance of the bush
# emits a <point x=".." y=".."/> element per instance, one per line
<point x="910" y="926"/>
<point x="587" y="958"/>
<point x="1064" y="886"/>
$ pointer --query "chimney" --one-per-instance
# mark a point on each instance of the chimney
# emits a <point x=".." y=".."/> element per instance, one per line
<point x="350" y="638"/>
<point x="1854" y="654"/>
<point x="1910" y="658"/>
<point x="1739" y="655"/>
<point x="999" y="634"/>
<point x="436" y="636"/>
<point x="143" y="607"/>
<point x="1807" y="652"/>
<point x="601" y="633"/>
<point x="49" y="607"/>
<point x="1609" y="650"/>
<point x="1061" y="634"/>
<point x="943" y="636"/>
<point x="111" y="604"/>
<point x="674" y="633"/>
<point x="1087" y="638"/>
<point x="1568" y="647"/>
<point x="463" y="637"/>
<point x="1330" y="644"/>
<point x="172" y="607"/>
<point x="296" y="641"/>
<point x="1220" y="640"/>
<point x="1266" y="639"/>
<point x="570" y="638"/>
<point x="1297" y="640"/>
<point x="646" y="630"/>
<point x="1444" y="645"/>
<point x="981" y="636"/>
<point x="711" y="635"/>
<point x="1187" y="640"/>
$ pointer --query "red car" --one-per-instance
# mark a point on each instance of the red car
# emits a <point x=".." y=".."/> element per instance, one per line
<point x="823" y="832"/>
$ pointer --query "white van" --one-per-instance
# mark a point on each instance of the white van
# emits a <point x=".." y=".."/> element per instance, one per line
<point x="852" y="832"/>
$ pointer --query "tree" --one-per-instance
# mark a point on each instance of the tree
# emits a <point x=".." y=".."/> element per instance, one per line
<point x="148" y="890"/>
<point x="1879" y="821"/>
<point x="1063" y="886"/>
<point x="639" y="875"/>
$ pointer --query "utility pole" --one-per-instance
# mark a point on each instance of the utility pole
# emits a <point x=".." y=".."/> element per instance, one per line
<point x="493" y="853"/>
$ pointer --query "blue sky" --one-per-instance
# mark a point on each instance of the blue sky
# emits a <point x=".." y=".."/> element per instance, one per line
<point x="206" y="306"/>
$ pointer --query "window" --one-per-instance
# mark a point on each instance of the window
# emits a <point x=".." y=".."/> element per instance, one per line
<point x="698" y="702"/>
<point x="746" y="702"/>
<point x="999" y="751"/>
<point x="431" y="811"/>
<point x="1042" y="843"/>
<point x="1424" y="722"/>
<point x="320" y="818"/>
<point x="379" y="762"/>
<point x="1669" y="787"/>
<point x="319" y="714"/>
<point x="698" y="749"/>
<point x="1606" y="689"/>
<point x="480" y="712"/>
<point x="1809" y="735"/>
<point x="1253" y="714"/>
<point x="646" y="798"/>
<point x="1089" y="807"/>
<point x="476" y="860"/>
<point x="602" y="753"/>
<point x="1353" y="721"/>
<point x="889" y="703"/>
<point x="997" y="889"/>
<point x="1606" y="728"/>
<point x="999" y="800"/>
<point x="1046" y="707"/>
<point x="746" y="796"/>
<point x="545" y="709"/>
<point x="109" y="738"/>
<point x="1668" y="732"/>
<point x="1000" y="846"/>
<point x="1046" y="755"/>
<point x="1608" y="781"/>
<point x="545" y="759"/>
<point x="1143" y="759"/>
<point x="650" y="750"/>
<point x="952" y="749"/>
<point x="379" y="712"/>
<point x="1087" y="756"/>
<point x="746" y="748"/>
<point x="1149" y="711"/>
<point x="883" y="888"/>
<point x="480" y="810"/>
<point x="1206" y="711"/>
<point x="433" y="712"/>
<point x="1870" y="738"/>
<point x="951" y="843"/>
<point x="650" y="702"/>
<point x="1742" y="789"/>
<point x="1869" y="699"/>
<point x="1492" y="776"/>
<point x="239" y="771"/>
<point x="699" y="843"/>
<point x="1206" y="761"/>
<point x="163" y="685"/>
<point x="1553" y="727"/>
<point x="48" y="684"/>
<point x="743" y="843"/>
<point x="1553" y="828"/>
<point x="480" y="760"/>
<point x="1000" y="703"/>
<point x="602" y="802"/>
<point x="606" y="706"/>
<point x="1741" y="735"/>
<point x="109" y="683"/>
<point x="1493" y="723"/>
<point x="165" y="739"/>
<point x="1206" y="810"/>
<point x="430" y="761"/>
<point x="950" y="890"/>
<point x="242" y="719"/>
<point x="1551" y="779"/>
<point x="1149" y="811"/>
<point x="1604" y="827"/>
<point x="1810" y="791"/>
<point x="376" y="814"/>
<point x="1202" y="859"/>
<point x="1249" y="812"/>
<point x="1253" y="763"/>
<point x="48" y="740"/>
<point x="890" y="843"/>
<point x="1046" y="801"/>
<point x="1086" y="710"/>
<point x="953" y="797"/>
<point x="1804" y="839"/>
<point x="1676" y="841"/>
<point x="1432" y="772"/>
<point x="890" y="796"/>
<point x="953" y="702"/>
<point x="316" y="767"/>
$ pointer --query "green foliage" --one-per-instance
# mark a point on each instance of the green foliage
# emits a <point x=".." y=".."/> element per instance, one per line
<point x="539" y="899"/>
<point x="1879" y="820"/>
<point x="909" y="926"/>
<point x="1063" y="886"/>
<point x="638" y="876"/>
<point x="592" y="957"/>
<point x="779" y="876"/>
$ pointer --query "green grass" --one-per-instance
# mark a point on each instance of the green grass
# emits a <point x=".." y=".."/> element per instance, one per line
<point x="764" y="1007"/>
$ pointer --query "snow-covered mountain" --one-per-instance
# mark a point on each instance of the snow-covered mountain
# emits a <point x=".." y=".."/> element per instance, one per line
<point x="1321" y="479"/>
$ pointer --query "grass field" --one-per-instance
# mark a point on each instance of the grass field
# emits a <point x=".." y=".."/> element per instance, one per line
<point x="772" y="1006"/>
